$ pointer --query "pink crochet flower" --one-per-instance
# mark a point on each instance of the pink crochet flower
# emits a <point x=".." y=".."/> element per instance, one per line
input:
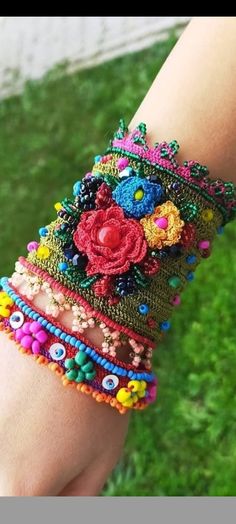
<point x="110" y="241"/>
<point x="31" y="336"/>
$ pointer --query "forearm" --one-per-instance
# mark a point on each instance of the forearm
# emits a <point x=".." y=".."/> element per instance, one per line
<point x="193" y="98"/>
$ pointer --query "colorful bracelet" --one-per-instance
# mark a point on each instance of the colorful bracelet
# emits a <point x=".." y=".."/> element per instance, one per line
<point x="117" y="257"/>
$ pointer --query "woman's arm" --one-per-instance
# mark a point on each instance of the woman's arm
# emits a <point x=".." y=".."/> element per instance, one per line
<point x="193" y="100"/>
<point x="55" y="440"/>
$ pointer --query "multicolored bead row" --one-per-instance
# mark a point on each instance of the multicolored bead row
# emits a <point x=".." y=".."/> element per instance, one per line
<point x="70" y="339"/>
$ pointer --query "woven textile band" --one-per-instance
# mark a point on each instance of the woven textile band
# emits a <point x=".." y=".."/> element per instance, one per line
<point x="118" y="255"/>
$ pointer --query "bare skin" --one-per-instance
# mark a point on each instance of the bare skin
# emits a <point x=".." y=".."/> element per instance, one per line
<point x="55" y="440"/>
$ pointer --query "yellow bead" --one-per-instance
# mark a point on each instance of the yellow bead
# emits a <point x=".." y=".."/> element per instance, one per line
<point x="134" y="385"/>
<point x="3" y="294"/>
<point x="123" y="395"/>
<point x="4" y="312"/>
<point x="58" y="206"/>
<point x="7" y="301"/>
<point x="129" y="403"/>
<point x="43" y="252"/>
<point x="207" y="215"/>
<point x="138" y="195"/>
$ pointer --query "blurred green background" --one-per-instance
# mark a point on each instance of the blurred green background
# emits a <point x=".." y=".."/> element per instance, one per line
<point x="185" y="444"/>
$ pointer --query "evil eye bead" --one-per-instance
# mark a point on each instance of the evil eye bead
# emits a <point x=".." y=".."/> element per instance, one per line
<point x="110" y="382"/>
<point x="57" y="351"/>
<point x="16" y="319"/>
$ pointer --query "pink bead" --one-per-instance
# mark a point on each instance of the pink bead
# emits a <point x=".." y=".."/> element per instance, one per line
<point x="19" y="334"/>
<point x="161" y="222"/>
<point x="32" y="246"/>
<point x="176" y="300"/>
<point x="26" y="341"/>
<point x="35" y="327"/>
<point x="26" y="328"/>
<point x="204" y="244"/>
<point x="88" y="175"/>
<point x="35" y="347"/>
<point x="122" y="163"/>
<point x="41" y="336"/>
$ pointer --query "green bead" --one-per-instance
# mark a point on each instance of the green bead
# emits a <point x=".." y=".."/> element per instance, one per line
<point x="72" y="374"/>
<point x="174" y="281"/>
<point x="80" y="358"/>
<point x="87" y="367"/>
<point x="87" y="282"/>
<point x="80" y="376"/>
<point x="69" y="363"/>
<point x="91" y="375"/>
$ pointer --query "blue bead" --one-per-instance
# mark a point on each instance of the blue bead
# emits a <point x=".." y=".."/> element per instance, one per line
<point x="35" y="316"/>
<point x="57" y="332"/>
<point x="82" y="346"/>
<point x="43" y="231"/>
<point x="135" y="376"/>
<point x="103" y="361"/>
<point x="190" y="259"/>
<point x="67" y="339"/>
<point x="76" y="188"/>
<point x="44" y="322"/>
<point x="77" y="344"/>
<point x="62" y="266"/>
<point x="99" y="360"/>
<point x="130" y="373"/>
<point x="73" y="341"/>
<point x="41" y="320"/>
<point x="115" y="369"/>
<point x="52" y="329"/>
<point x="63" y="336"/>
<point x="143" y="309"/>
<point x="97" y="159"/>
<point x="164" y="326"/>
<point x="95" y="358"/>
<point x="107" y="365"/>
<point x="190" y="275"/>
<point x="93" y="352"/>
<point x="28" y="310"/>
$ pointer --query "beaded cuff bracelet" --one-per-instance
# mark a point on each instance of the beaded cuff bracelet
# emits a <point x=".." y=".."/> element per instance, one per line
<point x="118" y="255"/>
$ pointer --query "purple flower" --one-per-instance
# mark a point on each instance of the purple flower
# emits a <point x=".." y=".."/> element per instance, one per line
<point x="31" y="336"/>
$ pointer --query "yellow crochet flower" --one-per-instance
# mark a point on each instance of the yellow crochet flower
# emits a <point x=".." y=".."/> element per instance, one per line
<point x="5" y="303"/>
<point x="135" y="390"/>
<point x="164" y="226"/>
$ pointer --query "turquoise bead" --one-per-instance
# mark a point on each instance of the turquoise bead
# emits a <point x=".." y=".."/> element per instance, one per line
<point x="143" y="309"/>
<point x="43" y="231"/>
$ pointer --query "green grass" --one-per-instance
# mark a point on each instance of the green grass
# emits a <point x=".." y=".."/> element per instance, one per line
<point x="186" y="443"/>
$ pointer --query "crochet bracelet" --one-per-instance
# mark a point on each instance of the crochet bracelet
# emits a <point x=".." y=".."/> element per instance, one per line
<point x="117" y="257"/>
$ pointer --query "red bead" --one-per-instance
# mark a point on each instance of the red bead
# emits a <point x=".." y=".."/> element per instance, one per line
<point x="112" y="301"/>
<point x="151" y="322"/>
<point x="188" y="235"/>
<point x="205" y="253"/>
<point x="151" y="266"/>
<point x="104" y="197"/>
<point x="104" y="287"/>
<point x="108" y="236"/>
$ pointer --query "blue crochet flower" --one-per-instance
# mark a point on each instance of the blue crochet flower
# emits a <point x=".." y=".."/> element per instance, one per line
<point x="137" y="196"/>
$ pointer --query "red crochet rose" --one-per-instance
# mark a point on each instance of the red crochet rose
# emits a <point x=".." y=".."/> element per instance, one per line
<point x="110" y="241"/>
